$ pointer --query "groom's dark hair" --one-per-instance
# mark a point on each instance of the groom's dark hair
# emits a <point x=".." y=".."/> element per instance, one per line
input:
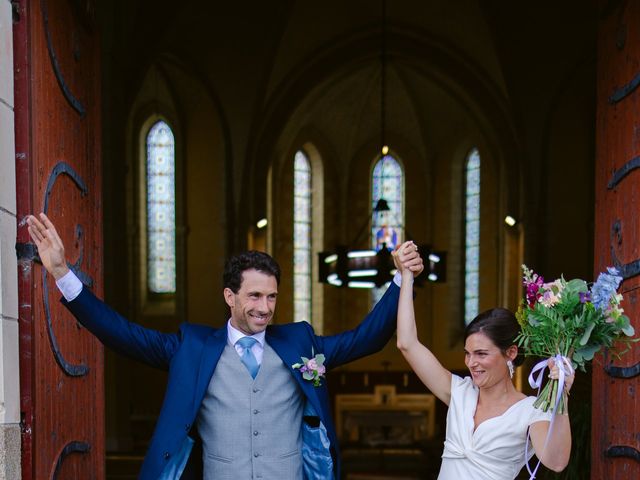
<point x="251" y="260"/>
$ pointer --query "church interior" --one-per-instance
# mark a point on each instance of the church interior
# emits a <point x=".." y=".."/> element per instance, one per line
<point x="278" y="111"/>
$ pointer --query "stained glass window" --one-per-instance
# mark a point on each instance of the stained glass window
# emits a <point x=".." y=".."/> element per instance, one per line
<point x="161" y="208"/>
<point x="472" y="236"/>
<point x="387" y="226"/>
<point x="301" y="238"/>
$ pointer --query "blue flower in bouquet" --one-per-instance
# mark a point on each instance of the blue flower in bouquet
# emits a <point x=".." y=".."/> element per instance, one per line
<point x="605" y="288"/>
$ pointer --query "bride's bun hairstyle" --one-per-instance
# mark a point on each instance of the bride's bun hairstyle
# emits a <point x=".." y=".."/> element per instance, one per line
<point x="500" y="326"/>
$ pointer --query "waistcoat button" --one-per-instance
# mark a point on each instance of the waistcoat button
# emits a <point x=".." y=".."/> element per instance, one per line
<point x="166" y="455"/>
<point x="255" y="434"/>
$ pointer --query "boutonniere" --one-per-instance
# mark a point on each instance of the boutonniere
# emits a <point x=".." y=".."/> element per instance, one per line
<point x="312" y="369"/>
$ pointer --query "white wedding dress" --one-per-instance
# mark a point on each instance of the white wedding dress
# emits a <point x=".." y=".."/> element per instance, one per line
<point x="496" y="449"/>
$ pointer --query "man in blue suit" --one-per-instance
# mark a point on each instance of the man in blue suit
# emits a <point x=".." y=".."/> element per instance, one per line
<point x="244" y="391"/>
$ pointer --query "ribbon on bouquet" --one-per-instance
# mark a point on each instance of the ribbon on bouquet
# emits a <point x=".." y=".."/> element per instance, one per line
<point x="564" y="369"/>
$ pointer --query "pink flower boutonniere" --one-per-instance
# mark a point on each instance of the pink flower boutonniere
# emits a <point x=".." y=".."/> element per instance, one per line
<point x="312" y="369"/>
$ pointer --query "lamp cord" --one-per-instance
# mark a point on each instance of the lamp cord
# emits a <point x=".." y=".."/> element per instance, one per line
<point x="383" y="75"/>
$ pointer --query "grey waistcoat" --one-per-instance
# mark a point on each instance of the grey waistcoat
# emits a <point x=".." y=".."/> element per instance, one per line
<point x="251" y="428"/>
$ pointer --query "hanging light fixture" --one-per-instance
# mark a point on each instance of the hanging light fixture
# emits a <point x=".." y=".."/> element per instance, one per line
<point x="357" y="268"/>
<point x="369" y="268"/>
<point x="384" y="148"/>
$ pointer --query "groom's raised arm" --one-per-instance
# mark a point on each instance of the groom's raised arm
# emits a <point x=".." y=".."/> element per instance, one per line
<point x="373" y="333"/>
<point x="111" y="328"/>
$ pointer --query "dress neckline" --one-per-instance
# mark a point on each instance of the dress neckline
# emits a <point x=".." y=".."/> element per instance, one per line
<point x="503" y="414"/>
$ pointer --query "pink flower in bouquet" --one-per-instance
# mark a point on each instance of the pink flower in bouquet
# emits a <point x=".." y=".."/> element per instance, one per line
<point x="551" y="293"/>
<point x="557" y="286"/>
<point x="549" y="299"/>
<point x="532" y="283"/>
<point x="614" y="310"/>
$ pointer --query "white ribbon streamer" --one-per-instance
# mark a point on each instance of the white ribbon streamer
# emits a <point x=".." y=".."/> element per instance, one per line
<point x="564" y="369"/>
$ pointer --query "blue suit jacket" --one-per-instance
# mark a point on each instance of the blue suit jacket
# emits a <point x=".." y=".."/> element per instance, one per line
<point x="191" y="356"/>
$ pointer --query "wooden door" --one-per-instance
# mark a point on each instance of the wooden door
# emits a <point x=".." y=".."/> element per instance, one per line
<point x="58" y="169"/>
<point x="616" y="395"/>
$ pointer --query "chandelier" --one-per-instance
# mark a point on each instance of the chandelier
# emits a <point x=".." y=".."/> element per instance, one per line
<point x="370" y="268"/>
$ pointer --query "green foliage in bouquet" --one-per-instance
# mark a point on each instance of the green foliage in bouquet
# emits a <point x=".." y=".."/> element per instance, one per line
<point x="568" y="320"/>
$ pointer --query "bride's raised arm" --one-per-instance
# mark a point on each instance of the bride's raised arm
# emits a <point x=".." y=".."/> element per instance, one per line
<point x="422" y="361"/>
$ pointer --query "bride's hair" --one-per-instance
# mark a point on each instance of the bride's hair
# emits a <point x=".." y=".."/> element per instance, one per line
<point x="500" y="326"/>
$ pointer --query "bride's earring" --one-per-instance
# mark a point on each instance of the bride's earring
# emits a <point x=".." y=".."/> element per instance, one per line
<point x="511" y="369"/>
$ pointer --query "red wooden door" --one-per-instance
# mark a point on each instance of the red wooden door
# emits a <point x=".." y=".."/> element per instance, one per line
<point x="615" y="414"/>
<point x="57" y="114"/>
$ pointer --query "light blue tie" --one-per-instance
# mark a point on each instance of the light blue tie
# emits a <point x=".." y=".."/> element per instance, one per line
<point x="247" y="356"/>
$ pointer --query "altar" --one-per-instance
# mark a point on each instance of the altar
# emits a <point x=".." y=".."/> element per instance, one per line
<point x="385" y="430"/>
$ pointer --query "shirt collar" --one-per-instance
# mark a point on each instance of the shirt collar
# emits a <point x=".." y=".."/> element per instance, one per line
<point x="233" y="335"/>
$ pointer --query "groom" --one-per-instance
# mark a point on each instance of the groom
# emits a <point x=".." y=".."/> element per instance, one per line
<point x="234" y="389"/>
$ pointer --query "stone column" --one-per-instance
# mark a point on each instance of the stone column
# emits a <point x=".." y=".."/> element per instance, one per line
<point x="9" y="365"/>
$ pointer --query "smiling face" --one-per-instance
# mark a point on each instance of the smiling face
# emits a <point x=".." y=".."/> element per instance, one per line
<point x="253" y="306"/>
<point x="485" y="361"/>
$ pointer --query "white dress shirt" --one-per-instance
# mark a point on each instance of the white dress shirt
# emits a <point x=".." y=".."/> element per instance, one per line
<point x="233" y="335"/>
<point x="70" y="286"/>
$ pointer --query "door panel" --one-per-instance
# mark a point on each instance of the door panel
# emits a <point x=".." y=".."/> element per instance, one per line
<point x="615" y="418"/>
<point x="59" y="172"/>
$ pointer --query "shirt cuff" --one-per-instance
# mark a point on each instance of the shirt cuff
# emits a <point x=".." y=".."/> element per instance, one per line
<point x="70" y="286"/>
<point x="397" y="278"/>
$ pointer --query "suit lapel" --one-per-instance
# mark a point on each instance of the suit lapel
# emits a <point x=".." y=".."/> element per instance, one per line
<point x="211" y="352"/>
<point x="289" y="355"/>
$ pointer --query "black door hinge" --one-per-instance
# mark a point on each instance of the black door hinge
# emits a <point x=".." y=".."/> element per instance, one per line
<point x="15" y="10"/>
<point x="28" y="252"/>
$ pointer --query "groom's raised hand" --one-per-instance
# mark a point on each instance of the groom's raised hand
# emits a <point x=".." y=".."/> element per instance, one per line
<point x="50" y="247"/>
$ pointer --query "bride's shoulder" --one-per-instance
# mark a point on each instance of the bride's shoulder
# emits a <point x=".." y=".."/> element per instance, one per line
<point x="521" y="396"/>
<point x="526" y="401"/>
<point x="462" y="385"/>
<point x="460" y="382"/>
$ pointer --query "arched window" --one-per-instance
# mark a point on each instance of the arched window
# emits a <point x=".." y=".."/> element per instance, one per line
<point x="387" y="226"/>
<point x="472" y="236"/>
<point x="302" y="230"/>
<point x="161" y="209"/>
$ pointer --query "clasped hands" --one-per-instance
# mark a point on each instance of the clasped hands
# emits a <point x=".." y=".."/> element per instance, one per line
<point x="406" y="258"/>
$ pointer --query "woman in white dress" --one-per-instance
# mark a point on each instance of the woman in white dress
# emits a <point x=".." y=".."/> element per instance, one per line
<point x="488" y="418"/>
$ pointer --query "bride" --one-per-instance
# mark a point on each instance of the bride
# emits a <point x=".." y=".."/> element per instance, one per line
<point x="488" y="419"/>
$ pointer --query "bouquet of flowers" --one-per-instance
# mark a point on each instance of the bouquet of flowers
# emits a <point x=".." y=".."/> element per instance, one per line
<point x="569" y="321"/>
